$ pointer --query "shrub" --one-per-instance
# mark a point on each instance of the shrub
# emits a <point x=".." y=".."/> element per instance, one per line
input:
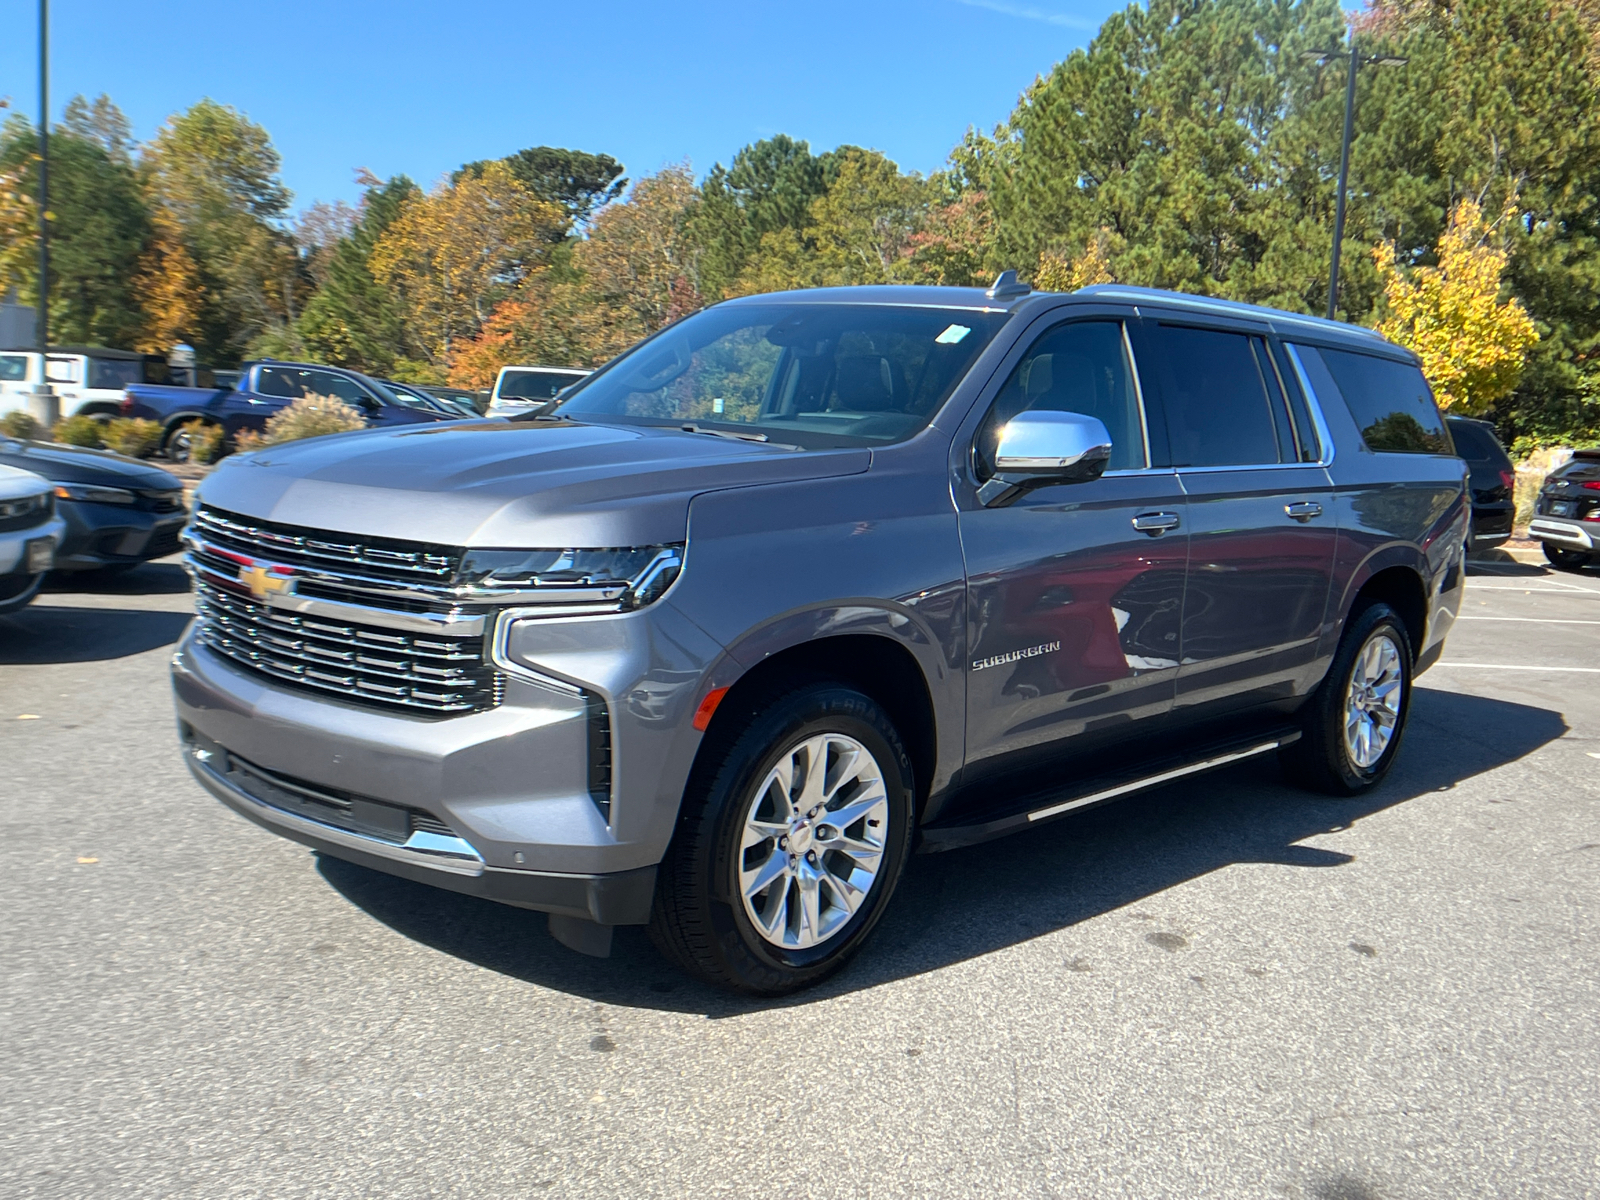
<point x="313" y="416"/>
<point x="133" y="437"/>
<point x="248" y="440"/>
<point x="19" y="424"/>
<point x="79" y="431"/>
<point x="205" y="441"/>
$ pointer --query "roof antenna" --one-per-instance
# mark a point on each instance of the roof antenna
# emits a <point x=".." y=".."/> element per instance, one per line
<point x="1007" y="286"/>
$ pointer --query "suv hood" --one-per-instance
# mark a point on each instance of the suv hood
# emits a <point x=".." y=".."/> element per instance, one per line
<point x="492" y="483"/>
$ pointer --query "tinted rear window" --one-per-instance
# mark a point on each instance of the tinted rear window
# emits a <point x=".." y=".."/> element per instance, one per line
<point x="114" y="373"/>
<point x="1390" y="402"/>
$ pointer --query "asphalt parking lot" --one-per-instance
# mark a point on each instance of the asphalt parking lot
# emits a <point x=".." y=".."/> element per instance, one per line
<point x="1222" y="988"/>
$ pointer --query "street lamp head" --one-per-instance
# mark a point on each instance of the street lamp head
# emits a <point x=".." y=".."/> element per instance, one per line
<point x="1385" y="60"/>
<point x="1320" y="55"/>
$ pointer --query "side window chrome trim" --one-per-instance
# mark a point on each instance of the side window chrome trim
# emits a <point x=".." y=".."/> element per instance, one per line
<point x="1279" y="466"/>
<point x="1314" y="403"/>
<point x="1138" y="392"/>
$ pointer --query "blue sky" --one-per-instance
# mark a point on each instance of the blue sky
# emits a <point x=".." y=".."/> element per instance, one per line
<point x="415" y="87"/>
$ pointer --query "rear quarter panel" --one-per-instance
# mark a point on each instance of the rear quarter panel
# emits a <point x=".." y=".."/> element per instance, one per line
<point x="1396" y="510"/>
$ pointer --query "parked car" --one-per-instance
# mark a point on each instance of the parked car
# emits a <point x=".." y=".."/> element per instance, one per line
<point x="529" y="389"/>
<point x="478" y="402"/>
<point x="1567" y="513"/>
<point x="264" y="389"/>
<point x="416" y="396"/>
<point x="117" y="512"/>
<point x="811" y="580"/>
<point x="89" y="380"/>
<point x="29" y="533"/>
<point x="1492" y="478"/>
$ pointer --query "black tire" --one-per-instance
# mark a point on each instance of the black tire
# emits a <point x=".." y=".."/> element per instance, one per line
<point x="177" y="447"/>
<point x="699" y="919"/>
<point x="1566" y="560"/>
<point x="1321" y="760"/>
<point x="18" y="591"/>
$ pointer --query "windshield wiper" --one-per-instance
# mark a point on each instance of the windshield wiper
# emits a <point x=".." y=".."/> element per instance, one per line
<point x="726" y="433"/>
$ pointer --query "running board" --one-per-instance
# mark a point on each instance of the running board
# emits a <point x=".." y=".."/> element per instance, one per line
<point x="1046" y="806"/>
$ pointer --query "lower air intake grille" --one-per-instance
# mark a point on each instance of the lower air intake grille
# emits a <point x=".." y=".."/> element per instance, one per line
<point x="423" y="674"/>
<point x="599" y="755"/>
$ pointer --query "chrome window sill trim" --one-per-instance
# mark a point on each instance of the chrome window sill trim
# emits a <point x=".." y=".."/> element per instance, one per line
<point x="422" y="849"/>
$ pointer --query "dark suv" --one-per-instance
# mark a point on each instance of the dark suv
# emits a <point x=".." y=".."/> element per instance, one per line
<point x="809" y="581"/>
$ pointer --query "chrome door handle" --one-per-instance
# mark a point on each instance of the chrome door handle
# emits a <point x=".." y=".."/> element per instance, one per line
<point x="1155" y="524"/>
<point x="1303" y="510"/>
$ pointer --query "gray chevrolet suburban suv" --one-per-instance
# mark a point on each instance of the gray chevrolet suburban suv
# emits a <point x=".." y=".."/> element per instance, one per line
<point x="810" y="581"/>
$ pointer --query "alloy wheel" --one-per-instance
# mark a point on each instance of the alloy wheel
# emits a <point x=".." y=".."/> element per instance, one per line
<point x="813" y="841"/>
<point x="1372" y="701"/>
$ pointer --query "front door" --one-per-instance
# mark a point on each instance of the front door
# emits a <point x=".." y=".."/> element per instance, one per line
<point x="1074" y="591"/>
<point x="1262" y="522"/>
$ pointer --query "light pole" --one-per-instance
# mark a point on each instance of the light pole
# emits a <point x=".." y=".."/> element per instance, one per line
<point x="42" y="405"/>
<point x="1357" y="61"/>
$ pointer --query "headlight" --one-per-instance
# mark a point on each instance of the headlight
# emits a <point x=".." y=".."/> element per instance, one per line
<point x="621" y="578"/>
<point x="88" y="493"/>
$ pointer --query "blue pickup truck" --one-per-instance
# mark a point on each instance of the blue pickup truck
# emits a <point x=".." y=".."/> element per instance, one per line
<point x="264" y="389"/>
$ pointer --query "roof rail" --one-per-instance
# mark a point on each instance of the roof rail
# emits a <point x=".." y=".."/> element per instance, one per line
<point x="1122" y="291"/>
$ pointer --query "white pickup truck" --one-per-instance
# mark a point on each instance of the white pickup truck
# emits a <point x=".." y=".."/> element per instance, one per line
<point x="519" y="389"/>
<point x="89" y="380"/>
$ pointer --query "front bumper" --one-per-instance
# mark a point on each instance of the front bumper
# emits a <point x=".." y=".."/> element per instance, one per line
<point x="14" y="544"/>
<point x="1571" y="535"/>
<point x="105" y="535"/>
<point x="620" y="898"/>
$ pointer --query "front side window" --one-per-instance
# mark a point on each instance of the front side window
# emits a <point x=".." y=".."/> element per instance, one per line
<point x="1219" y="409"/>
<point x="1078" y="367"/>
<point x="115" y="373"/>
<point x="285" y="382"/>
<point x="809" y="374"/>
<point x="1390" y="401"/>
<point x="13" y="368"/>
<point x="326" y="383"/>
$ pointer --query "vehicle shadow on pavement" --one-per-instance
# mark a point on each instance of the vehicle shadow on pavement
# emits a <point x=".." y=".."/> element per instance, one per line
<point x="161" y="578"/>
<point x="960" y="905"/>
<point x="51" y="633"/>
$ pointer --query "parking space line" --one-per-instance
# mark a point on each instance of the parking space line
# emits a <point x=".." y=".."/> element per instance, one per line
<point x="1559" y="591"/>
<point x="1514" y="667"/>
<point x="1532" y="620"/>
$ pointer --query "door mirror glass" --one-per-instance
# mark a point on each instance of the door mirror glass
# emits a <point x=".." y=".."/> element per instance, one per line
<point x="1045" y="447"/>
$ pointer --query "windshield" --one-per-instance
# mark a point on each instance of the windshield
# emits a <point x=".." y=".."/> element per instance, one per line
<point x="808" y="374"/>
<point x="535" y="385"/>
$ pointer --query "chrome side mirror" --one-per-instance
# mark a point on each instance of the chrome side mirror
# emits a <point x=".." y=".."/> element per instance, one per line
<point x="1038" y="449"/>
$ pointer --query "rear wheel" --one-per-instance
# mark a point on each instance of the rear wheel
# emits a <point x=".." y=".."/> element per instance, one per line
<point x="1564" y="559"/>
<point x="794" y="833"/>
<point x="1352" y="726"/>
<point x="179" y="446"/>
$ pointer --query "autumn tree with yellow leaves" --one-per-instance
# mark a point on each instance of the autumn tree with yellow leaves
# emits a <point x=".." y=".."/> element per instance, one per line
<point x="1472" y="343"/>
<point x="1056" y="273"/>
<point x="452" y="255"/>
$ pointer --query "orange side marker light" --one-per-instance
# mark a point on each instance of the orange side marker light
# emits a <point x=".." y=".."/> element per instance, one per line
<point x="708" y="707"/>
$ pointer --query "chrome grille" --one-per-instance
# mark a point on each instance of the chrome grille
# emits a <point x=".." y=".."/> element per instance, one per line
<point x="376" y="559"/>
<point x="365" y="664"/>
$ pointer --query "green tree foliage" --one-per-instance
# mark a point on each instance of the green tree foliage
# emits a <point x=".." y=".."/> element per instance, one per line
<point x="353" y="321"/>
<point x="216" y="172"/>
<point x="769" y="188"/>
<point x="99" y="226"/>
<point x="575" y="181"/>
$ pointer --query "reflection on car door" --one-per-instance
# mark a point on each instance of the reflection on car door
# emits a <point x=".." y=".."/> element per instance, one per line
<point x="1073" y="612"/>
<point x="1262" y="522"/>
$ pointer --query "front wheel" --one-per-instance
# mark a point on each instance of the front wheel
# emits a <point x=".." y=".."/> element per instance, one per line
<point x="18" y="591"/>
<point x="794" y="833"/>
<point x="1566" y="560"/>
<point x="1351" y="727"/>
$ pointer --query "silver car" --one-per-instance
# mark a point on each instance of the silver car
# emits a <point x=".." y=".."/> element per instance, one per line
<point x="810" y="581"/>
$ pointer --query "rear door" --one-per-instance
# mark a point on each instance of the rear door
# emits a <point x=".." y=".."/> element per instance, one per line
<point x="1262" y="521"/>
<point x="1073" y="611"/>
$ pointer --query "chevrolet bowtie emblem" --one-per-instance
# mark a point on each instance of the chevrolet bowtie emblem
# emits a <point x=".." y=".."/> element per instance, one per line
<point x="263" y="583"/>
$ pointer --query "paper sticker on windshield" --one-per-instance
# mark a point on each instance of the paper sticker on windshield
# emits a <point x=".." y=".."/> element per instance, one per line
<point x="952" y="334"/>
